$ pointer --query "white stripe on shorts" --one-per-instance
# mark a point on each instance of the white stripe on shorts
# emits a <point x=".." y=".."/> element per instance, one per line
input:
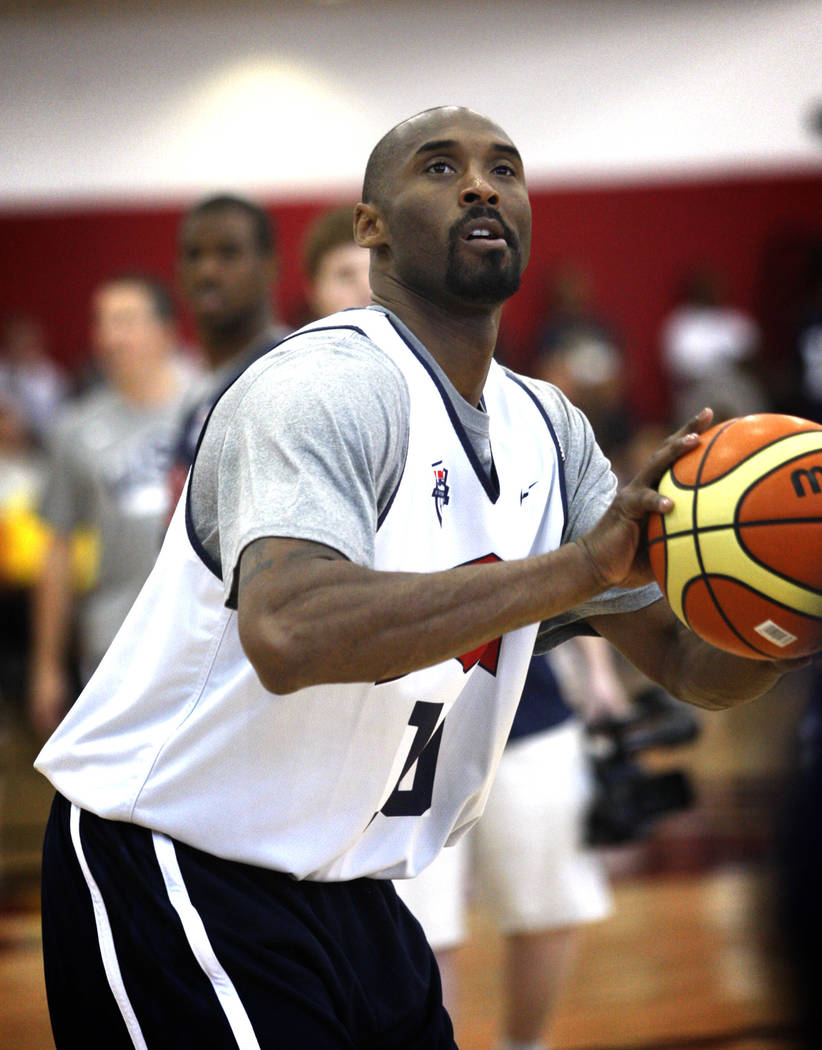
<point x="197" y="937"/>
<point x="106" y="939"/>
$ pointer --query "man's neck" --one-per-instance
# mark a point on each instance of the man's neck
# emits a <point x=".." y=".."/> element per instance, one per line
<point x="221" y="347"/>
<point x="461" y="341"/>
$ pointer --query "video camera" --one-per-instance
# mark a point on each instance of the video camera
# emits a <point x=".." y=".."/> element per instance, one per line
<point x="628" y="800"/>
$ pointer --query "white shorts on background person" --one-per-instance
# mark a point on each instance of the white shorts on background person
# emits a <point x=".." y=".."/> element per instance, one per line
<point x="524" y="863"/>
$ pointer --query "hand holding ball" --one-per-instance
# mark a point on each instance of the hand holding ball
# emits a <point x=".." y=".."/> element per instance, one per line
<point x="739" y="557"/>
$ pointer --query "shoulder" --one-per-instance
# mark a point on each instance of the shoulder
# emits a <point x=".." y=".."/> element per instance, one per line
<point x="334" y="366"/>
<point x="334" y="391"/>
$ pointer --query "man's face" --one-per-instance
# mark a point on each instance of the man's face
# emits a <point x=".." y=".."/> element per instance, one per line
<point x="128" y="337"/>
<point x="458" y="213"/>
<point x="226" y="277"/>
<point x="341" y="280"/>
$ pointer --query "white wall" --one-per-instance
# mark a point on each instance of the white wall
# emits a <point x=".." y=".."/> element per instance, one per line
<point x="288" y="98"/>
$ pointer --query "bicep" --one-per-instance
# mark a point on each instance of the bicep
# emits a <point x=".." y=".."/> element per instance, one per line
<point x="310" y="456"/>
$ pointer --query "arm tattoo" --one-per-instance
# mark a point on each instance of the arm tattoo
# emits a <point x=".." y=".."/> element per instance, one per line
<point x="254" y="562"/>
<point x="257" y="558"/>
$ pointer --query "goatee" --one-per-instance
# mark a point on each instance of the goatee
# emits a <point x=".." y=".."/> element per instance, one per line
<point x="494" y="276"/>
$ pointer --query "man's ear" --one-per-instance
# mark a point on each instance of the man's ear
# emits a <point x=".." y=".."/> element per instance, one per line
<point x="370" y="229"/>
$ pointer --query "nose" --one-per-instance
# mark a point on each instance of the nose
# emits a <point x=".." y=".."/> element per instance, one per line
<point x="201" y="266"/>
<point x="206" y="267"/>
<point x="476" y="189"/>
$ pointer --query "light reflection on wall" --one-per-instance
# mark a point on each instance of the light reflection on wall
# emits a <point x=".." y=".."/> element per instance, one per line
<point x="262" y="115"/>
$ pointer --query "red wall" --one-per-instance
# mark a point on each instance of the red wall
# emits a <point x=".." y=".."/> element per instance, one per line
<point x="634" y="240"/>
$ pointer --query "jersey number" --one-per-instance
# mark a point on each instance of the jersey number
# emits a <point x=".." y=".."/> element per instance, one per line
<point x="415" y="800"/>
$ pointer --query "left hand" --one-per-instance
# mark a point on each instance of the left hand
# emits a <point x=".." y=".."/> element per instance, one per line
<point x="615" y="546"/>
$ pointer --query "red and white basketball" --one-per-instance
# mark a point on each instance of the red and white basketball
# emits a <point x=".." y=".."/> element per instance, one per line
<point x="739" y="558"/>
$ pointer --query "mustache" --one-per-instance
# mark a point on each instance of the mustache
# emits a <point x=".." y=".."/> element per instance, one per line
<point x="483" y="211"/>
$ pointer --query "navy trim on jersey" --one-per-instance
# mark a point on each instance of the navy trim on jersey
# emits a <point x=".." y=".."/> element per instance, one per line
<point x="213" y="566"/>
<point x="309" y="330"/>
<point x="384" y="513"/>
<point x="490" y="484"/>
<point x="560" y="457"/>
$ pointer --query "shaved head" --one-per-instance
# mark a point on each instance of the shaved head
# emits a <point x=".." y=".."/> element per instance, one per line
<point x="385" y="155"/>
<point x="445" y="210"/>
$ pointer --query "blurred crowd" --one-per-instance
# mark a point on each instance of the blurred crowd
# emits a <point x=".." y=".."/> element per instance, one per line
<point x="93" y="461"/>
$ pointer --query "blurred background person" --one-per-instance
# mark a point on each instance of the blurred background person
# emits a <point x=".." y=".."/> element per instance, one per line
<point x="335" y="268"/>
<point x="579" y="351"/>
<point x="526" y="861"/>
<point x="798" y="839"/>
<point x="710" y="352"/>
<point x="227" y="264"/>
<point x="107" y="463"/>
<point x="32" y="390"/>
<point x="32" y="387"/>
<point x="801" y="380"/>
<point x="32" y="384"/>
<point x="798" y="858"/>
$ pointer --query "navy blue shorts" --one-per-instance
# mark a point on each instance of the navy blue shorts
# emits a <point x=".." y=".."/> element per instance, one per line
<point x="150" y="943"/>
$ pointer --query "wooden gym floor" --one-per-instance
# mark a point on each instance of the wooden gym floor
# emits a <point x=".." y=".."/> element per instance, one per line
<point x="688" y="961"/>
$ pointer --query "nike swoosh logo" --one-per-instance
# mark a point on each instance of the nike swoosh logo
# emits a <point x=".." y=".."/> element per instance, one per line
<point x="525" y="492"/>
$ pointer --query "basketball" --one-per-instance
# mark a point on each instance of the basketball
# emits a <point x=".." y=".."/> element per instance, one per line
<point x="739" y="557"/>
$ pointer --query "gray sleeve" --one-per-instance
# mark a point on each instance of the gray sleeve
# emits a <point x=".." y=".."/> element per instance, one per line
<point x="66" y="494"/>
<point x="590" y="488"/>
<point x="309" y="444"/>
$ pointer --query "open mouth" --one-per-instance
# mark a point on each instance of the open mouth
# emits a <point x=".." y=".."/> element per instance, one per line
<point x="485" y="233"/>
<point x="208" y="299"/>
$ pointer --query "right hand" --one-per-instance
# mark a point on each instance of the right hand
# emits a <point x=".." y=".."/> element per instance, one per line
<point x="615" y="545"/>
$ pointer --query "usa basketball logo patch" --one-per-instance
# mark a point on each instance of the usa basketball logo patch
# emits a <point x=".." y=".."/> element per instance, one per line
<point x="441" y="488"/>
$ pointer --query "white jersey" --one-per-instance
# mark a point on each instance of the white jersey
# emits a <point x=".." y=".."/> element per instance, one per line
<point x="176" y="733"/>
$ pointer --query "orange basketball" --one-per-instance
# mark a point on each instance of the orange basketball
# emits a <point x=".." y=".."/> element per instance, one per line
<point x="739" y="558"/>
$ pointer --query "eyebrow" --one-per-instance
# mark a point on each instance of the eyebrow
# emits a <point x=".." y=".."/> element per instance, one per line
<point x="445" y="144"/>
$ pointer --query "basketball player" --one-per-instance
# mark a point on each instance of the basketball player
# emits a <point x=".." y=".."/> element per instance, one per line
<point x="227" y="263"/>
<point x="311" y="694"/>
<point x="107" y="459"/>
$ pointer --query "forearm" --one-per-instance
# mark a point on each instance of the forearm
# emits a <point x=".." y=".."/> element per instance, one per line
<point x="707" y="677"/>
<point x="51" y="605"/>
<point x="355" y="624"/>
<point x="692" y="670"/>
